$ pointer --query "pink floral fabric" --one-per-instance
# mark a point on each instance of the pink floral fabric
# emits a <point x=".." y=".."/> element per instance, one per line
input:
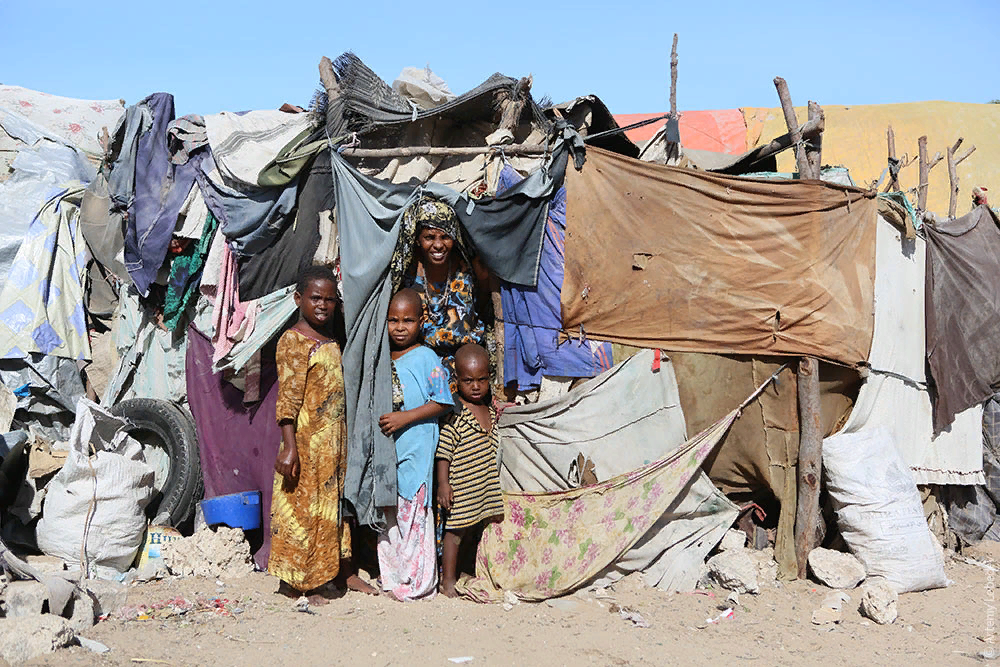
<point x="407" y="557"/>
<point x="552" y="543"/>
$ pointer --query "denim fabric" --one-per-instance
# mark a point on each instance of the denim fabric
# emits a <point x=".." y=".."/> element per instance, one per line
<point x="160" y="190"/>
<point x="533" y="317"/>
<point x="121" y="182"/>
<point x="251" y="218"/>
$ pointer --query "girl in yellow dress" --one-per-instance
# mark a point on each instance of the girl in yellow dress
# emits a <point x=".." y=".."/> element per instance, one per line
<point x="310" y="543"/>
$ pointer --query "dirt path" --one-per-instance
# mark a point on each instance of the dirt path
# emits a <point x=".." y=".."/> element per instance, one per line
<point x="947" y="626"/>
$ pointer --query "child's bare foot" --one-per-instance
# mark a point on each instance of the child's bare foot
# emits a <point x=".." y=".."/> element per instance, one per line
<point x="356" y="583"/>
<point x="447" y="589"/>
<point x="287" y="591"/>
<point x="317" y="600"/>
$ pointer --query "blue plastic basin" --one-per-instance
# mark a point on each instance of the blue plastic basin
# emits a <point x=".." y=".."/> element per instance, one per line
<point x="236" y="510"/>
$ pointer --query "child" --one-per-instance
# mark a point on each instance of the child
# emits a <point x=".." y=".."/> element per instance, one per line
<point x="406" y="549"/>
<point x="468" y="478"/>
<point x="310" y="544"/>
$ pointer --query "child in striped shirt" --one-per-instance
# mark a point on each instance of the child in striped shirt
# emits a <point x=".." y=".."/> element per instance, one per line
<point x="468" y="478"/>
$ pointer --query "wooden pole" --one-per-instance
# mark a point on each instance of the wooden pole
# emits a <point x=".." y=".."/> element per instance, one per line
<point x="808" y="131"/>
<point x="673" y="78"/>
<point x="953" y="163"/>
<point x="793" y="127"/>
<point x="814" y="146"/>
<point x="329" y="79"/>
<point x="673" y="148"/>
<point x="809" y="528"/>
<point x="890" y="138"/>
<point x="925" y="165"/>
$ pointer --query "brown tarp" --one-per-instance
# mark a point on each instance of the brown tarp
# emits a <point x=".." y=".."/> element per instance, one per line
<point x="962" y="311"/>
<point x="691" y="261"/>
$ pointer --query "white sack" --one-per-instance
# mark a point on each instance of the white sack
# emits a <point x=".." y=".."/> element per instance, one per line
<point x="879" y="511"/>
<point x="124" y="486"/>
<point x="422" y="87"/>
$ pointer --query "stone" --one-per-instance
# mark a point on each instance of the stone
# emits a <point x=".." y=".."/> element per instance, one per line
<point x="25" y="598"/>
<point x="81" y="611"/>
<point x="733" y="539"/>
<point x="151" y="571"/>
<point x="836" y="569"/>
<point x="735" y="570"/>
<point x="49" y="564"/>
<point x="92" y="645"/>
<point x="28" y="637"/>
<point x="109" y="596"/>
<point x="222" y="552"/>
<point x="878" y="601"/>
<point x="767" y="567"/>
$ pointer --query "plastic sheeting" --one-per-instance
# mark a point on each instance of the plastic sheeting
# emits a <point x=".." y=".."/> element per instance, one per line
<point x="41" y="301"/>
<point x="42" y="164"/>
<point x="895" y="396"/>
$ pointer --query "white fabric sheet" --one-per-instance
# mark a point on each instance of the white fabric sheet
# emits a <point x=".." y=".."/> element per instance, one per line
<point x="894" y="396"/>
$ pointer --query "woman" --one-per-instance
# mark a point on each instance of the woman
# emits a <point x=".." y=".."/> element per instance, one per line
<point x="431" y="259"/>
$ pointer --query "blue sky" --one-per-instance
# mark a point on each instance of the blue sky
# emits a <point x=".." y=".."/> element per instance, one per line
<point x="217" y="56"/>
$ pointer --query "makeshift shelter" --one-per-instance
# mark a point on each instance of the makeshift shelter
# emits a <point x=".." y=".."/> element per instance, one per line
<point x="207" y="221"/>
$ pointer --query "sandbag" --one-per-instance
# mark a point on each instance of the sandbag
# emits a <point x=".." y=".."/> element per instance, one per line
<point x="879" y="511"/>
<point x="112" y="487"/>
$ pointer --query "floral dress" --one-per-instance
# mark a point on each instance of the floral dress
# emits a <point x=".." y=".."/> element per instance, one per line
<point x="450" y="319"/>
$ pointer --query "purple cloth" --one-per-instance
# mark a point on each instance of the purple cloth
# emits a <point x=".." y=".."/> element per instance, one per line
<point x="160" y="190"/>
<point x="238" y="443"/>
<point x="532" y="315"/>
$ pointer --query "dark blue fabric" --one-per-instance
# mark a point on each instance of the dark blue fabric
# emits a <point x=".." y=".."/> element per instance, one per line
<point x="160" y="190"/>
<point x="532" y="315"/>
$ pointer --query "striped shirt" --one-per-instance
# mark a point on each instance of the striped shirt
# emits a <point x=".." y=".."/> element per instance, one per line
<point x="473" y="472"/>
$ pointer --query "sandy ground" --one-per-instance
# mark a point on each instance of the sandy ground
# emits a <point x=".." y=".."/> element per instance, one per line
<point x="947" y="626"/>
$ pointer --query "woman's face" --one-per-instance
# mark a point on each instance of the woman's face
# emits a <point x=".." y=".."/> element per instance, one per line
<point x="435" y="246"/>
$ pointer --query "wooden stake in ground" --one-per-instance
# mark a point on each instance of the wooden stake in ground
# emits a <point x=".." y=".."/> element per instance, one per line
<point x="814" y="146"/>
<point x="925" y="167"/>
<point x="953" y="163"/>
<point x="673" y="147"/>
<point x="809" y="528"/>
<point x="801" y="161"/>
<point x="893" y="184"/>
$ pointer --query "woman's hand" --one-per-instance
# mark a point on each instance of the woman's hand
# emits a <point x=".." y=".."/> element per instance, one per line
<point x="444" y="495"/>
<point x="287" y="464"/>
<point x="392" y="422"/>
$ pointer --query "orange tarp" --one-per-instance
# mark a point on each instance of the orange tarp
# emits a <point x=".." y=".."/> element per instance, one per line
<point x="722" y="131"/>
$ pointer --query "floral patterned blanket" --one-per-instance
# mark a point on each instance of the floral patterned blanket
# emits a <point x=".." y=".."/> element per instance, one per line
<point x="549" y="544"/>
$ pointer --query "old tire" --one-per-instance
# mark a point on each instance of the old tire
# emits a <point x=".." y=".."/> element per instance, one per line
<point x="170" y="443"/>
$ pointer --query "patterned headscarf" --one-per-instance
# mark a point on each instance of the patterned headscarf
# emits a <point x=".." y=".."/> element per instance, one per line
<point x="434" y="214"/>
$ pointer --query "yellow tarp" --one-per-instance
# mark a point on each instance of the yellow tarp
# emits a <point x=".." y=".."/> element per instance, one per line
<point x="855" y="138"/>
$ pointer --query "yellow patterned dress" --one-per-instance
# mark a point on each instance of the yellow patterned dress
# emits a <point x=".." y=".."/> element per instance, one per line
<point x="308" y="539"/>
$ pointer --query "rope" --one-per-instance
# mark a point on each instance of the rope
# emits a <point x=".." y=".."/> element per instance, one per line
<point x="618" y="130"/>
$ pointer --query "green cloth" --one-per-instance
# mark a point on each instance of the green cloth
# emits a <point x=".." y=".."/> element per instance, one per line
<point x="185" y="275"/>
<point x="293" y="158"/>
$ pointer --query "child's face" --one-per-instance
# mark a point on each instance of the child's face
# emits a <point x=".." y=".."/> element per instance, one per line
<point x="405" y="318"/>
<point x="317" y="303"/>
<point x="473" y="376"/>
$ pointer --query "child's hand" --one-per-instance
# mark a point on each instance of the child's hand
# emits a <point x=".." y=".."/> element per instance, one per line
<point x="444" y="496"/>
<point x="287" y="464"/>
<point x="392" y="422"/>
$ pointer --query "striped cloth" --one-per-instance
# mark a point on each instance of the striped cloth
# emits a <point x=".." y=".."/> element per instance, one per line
<point x="473" y="474"/>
